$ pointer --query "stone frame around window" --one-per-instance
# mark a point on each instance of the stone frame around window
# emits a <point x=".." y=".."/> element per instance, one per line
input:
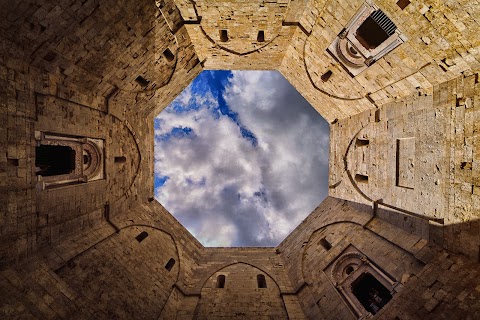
<point x="348" y="50"/>
<point x="346" y="268"/>
<point x="89" y="159"/>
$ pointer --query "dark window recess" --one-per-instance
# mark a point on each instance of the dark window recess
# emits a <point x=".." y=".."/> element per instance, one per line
<point x="223" y="35"/>
<point x="403" y="3"/>
<point x="326" y="76"/>
<point x="85" y="159"/>
<point x="170" y="264"/>
<point x="375" y="30"/>
<point x="120" y="159"/>
<point x="370" y="292"/>
<point x="261" y="281"/>
<point x="106" y="212"/>
<point x="325" y="244"/>
<point x="377" y="116"/>
<point x="151" y="199"/>
<point x="221" y="281"/>
<point x="142" y="81"/>
<point x="54" y="160"/>
<point x="362" y="142"/>
<point x="261" y="36"/>
<point x="141" y="236"/>
<point x="168" y="55"/>
<point x="361" y="178"/>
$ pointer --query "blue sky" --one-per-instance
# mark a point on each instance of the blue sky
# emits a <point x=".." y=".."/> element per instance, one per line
<point x="240" y="158"/>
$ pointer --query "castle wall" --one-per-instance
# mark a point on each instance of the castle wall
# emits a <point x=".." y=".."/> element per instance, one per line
<point x="441" y="44"/>
<point x="416" y="156"/>
<point x="240" y="296"/>
<point x="241" y="49"/>
<point x="404" y="161"/>
<point x="423" y="273"/>
<point x="73" y="70"/>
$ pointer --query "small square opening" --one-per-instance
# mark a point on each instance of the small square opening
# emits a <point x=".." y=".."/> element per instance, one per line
<point x="261" y="36"/>
<point x="223" y="35"/>
<point x="403" y="3"/>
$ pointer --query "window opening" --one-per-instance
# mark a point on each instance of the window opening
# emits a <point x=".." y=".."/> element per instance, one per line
<point x="375" y="30"/>
<point x="141" y="236"/>
<point x="261" y="36"/>
<point x="106" y="212"/>
<point x="168" y="55"/>
<point x="370" y="292"/>
<point x="362" y="142"/>
<point x="325" y="244"/>
<point x="366" y="38"/>
<point x="221" y="281"/>
<point x="51" y="160"/>
<point x="120" y="159"/>
<point x="261" y="281"/>
<point x="361" y="178"/>
<point x="142" y="81"/>
<point x="326" y="76"/>
<point x="403" y="3"/>
<point x="223" y="35"/>
<point x="170" y="264"/>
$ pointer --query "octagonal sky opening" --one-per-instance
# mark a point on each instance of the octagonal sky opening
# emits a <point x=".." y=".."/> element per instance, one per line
<point x="241" y="158"/>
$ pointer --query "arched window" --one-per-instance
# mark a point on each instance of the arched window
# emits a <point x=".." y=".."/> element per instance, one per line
<point x="141" y="236"/>
<point x="261" y="281"/>
<point x="362" y="284"/>
<point x="170" y="264"/>
<point x="221" y="281"/>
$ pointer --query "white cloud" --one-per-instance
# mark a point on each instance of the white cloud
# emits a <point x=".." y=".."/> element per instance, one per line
<point x="228" y="191"/>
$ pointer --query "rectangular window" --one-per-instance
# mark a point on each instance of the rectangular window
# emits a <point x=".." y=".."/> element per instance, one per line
<point x="375" y="30"/>
<point x="54" y="160"/>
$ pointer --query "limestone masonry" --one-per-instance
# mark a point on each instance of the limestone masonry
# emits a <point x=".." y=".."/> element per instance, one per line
<point x="81" y="236"/>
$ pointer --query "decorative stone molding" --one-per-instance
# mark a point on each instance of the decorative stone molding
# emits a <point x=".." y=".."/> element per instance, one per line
<point x="348" y="269"/>
<point x="87" y="160"/>
<point x="353" y="52"/>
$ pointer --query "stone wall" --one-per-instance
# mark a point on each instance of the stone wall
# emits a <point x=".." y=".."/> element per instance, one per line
<point x="415" y="156"/>
<point x="441" y="45"/>
<point x="423" y="272"/>
<point x="404" y="161"/>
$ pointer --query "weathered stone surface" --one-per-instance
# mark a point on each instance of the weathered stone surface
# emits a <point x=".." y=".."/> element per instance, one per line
<point x="404" y="160"/>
